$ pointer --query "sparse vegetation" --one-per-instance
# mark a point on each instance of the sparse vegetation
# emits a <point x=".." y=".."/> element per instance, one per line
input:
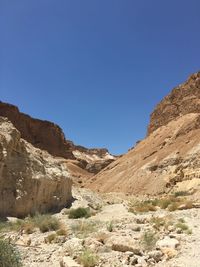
<point x="148" y="240"/>
<point x="44" y="222"/>
<point x="110" y="226"/>
<point x="182" y="226"/>
<point x="170" y="202"/>
<point x="83" y="228"/>
<point x="158" y="222"/>
<point x="88" y="259"/>
<point x="50" y="238"/>
<point x="189" y="232"/>
<point x="141" y="207"/>
<point x="180" y="193"/>
<point x="181" y="220"/>
<point x="79" y="213"/>
<point x="9" y="255"/>
<point x="61" y="232"/>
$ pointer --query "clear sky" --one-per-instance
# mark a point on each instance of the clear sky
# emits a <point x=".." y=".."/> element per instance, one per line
<point x="96" y="67"/>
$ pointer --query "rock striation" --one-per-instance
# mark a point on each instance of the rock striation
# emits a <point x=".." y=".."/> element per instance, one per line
<point x="50" y="137"/>
<point x="31" y="180"/>
<point x="169" y="157"/>
<point x="183" y="99"/>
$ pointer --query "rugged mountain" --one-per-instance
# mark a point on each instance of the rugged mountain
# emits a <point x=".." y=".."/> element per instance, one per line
<point x="31" y="180"/>
<point x="50" y="137"/>
<point x="169" y="157"/>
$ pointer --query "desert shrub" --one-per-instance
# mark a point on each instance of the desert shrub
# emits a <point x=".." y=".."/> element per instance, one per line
<point x="148" y="240"/>
<point x="9" y="255"/>
<point x="50" y="238"/>
<point x="182" y="226"/>
<point x="143" y="206"/>
<point x="181" y="220"/>
<point x="46" y="222"/>
<point x="83" y="228"/>
<point x="11" y="226"/>
<point x="79" y="213"/>
<point x="189" y="232"/>
<point x="110" y="226"/>
<point x="158" y="222"/>
<point x="180" y="193"/>
<point x="88" y="259"/>
<point x="61" y="231"/>
<point x="173" y="206"/>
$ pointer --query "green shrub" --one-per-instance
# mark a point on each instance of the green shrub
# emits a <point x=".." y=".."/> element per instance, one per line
<point x="83" y="228"/>
<point x="9" y="256"/>
<point x="79" y="213"/>
<point x="61" y="231"/>
<point x="182" y="226"/>
<point x="110" y="226"/>
<point x="148" y="240"/>
<point x="88" y="259"/>
<point x="46" y="222"/>
<point x="50" y="238"/>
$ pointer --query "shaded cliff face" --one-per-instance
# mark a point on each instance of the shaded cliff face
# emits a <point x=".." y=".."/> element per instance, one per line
<point x="183" y="99"/>
<point x="169" y="158"/>
<point x="31" y="180"/>
<point x="50" y="137"/>
<point x="41" y="134"/>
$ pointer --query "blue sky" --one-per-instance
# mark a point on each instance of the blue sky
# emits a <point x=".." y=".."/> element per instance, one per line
<point x="96" y="67"/>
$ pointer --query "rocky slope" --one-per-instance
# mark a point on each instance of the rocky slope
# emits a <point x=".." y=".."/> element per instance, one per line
<point x="31" y="180"/>
<point x="50" y="137"/>
<point x="170" y="155"/>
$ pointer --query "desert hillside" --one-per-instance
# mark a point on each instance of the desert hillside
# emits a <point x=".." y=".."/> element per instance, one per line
<point x="168" y="158"/>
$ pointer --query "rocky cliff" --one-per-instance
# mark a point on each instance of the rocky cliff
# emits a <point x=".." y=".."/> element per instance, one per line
<point x="50" y="137"/>
<point x="183" y="99"/>
<point x="169" y="157"/>
<point x="31" y="180"/>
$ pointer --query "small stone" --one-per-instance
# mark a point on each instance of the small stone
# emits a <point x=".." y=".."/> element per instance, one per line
<point x="156" y="255"/>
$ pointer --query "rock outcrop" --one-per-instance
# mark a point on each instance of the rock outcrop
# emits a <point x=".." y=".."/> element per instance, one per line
<point x="183" y="99"/>
<point x="170" y="155"/>
<point x="50" y="137"/>
<point x="31" y="180"/>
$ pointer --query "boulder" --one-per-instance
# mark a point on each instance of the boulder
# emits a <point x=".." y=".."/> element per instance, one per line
<point x="167" y="242"/>
<point x="31" y="180"/>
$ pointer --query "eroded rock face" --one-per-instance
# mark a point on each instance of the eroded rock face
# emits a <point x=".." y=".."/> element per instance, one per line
<point x="183" y="99"/>
<point x="50" y="137"/>
<point x="169" y="158"/>
<point x="31" y="180"/>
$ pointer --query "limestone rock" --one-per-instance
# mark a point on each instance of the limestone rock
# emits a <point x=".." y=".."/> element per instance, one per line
<point x="31" y="180"/>
<point x="68" y="262"/>
<point x="167" y="242"/>
<point x="50" y="137"/>
<point x="123" y="244"/>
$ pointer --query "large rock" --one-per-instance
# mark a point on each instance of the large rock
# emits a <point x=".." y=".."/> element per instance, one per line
<point x="169" y="158"/>
<point x="31" y="180"/>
